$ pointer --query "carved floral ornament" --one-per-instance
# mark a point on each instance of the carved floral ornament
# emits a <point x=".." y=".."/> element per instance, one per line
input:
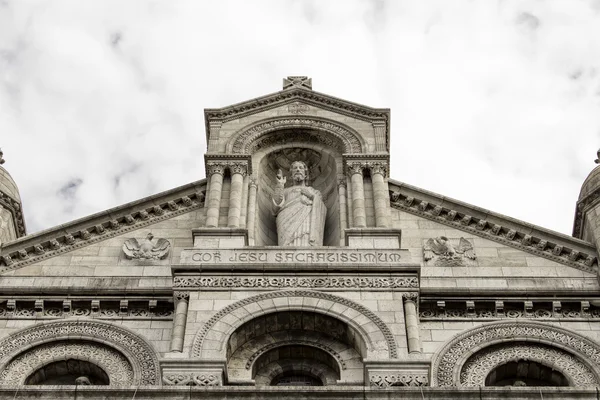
<point x="118" y="344"/>
<point x="457" y="363"/>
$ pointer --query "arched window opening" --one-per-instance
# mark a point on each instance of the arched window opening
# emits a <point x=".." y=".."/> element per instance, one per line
<point x="525" y="373"/>
<point x="295" y="379"/>
<point x="69" y="372"/>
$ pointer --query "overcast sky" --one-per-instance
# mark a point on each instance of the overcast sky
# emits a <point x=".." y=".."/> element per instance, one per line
<point x="495" y="103"/>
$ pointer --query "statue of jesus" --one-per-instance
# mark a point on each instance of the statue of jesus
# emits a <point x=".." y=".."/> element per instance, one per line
<point x="299" y="209"/>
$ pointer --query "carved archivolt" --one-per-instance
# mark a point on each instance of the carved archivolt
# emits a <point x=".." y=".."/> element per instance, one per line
<point x="243" y="139"/>
<point x="139" y="354"/>
<point x="384" y="331"/>
<point x="116" y="366"/>
<point x="478" y="367"/>
<point x="452" y="358"/>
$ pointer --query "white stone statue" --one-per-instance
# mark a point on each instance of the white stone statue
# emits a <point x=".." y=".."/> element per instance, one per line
<point x="299" y="209"/>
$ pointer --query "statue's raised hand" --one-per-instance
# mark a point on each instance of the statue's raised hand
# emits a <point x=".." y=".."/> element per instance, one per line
<point x="280" y="178"/>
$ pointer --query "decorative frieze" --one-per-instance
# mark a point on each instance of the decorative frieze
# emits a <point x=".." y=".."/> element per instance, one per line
<point x="508" y="236"/>
<point x="338" y="282"/>
<point x="402" y="378"/>
<point x="192" y="379"/>
<point x="84" y="237"/>
<point x="102" y="309"/>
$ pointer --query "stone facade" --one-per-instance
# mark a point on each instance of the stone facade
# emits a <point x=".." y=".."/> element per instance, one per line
<point x="186" y="293"/>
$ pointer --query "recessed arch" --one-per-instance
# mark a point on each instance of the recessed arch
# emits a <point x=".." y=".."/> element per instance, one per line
<point x="211" y="340"/>
<point x="329" y="131"/>
<point x="450" y="360"/>
<point x="137" y="351"/>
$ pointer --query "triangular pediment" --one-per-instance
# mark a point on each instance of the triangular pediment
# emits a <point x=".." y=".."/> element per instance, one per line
<point x="308" y="107"/>
<point x="472" y="221"/>
<point x="133" y="219"/>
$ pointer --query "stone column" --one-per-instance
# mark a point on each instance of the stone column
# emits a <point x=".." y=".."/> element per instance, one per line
<point x="251" y="210"/>
<point x="355" y="170"/>
<point x="411" y="320"/>
<point x="238" y="172"/>
<point x="181" y="309"/>
<point x="380" y="194"/>
<point x="244" y="214"/>
<point x="343" y="207"/>
<point x="215" y="172"/>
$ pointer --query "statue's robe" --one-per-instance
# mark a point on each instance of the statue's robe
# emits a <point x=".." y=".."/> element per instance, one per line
<point x="300" y="220"/>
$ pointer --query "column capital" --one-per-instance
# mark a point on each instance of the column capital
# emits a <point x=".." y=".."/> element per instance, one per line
<point x="215" y="167"/>
<point x="238" y="167"/>
<point x="341" y="182"/>
<point x="378" y="167"/>
<point x="181" y="295"/>
<point x="355" y="167"/>
<point x="410" y="296"/>
<point x="252" y="182"/>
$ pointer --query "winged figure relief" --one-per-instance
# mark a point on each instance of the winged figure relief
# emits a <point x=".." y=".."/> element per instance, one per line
<point x="442" y="247"/>
<point x="147" y="249"/>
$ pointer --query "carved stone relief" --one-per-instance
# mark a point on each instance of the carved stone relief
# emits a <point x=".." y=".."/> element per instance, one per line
<point x="296" y="282"/>
<point x="477" y="368"/>
<point x="141" y="355"/>
<point x="146" y="249"/>
<point x="403" y="378"/>
<point x="444" y="252"/>
<point x="116" y="366"/>
<point x="192" y="379"/>
<point x="449" y="361"/>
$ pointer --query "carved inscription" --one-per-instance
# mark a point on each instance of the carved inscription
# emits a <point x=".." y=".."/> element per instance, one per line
<point x="346" y="256"/>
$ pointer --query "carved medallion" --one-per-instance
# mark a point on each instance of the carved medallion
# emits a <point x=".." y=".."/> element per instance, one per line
<point x="445" y="252"/>
<point x="146" y="249"/>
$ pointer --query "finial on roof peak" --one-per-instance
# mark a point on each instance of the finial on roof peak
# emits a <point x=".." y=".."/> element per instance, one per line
<point x="297" y="81"/>
<point x="597" y="160"/>
<point x="1" y="158"/>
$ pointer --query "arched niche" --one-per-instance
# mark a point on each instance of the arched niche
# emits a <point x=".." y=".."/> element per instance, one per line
<point x="470" y="357"/>
<point x="325" y="165"/>
<point x="258" y="348"/>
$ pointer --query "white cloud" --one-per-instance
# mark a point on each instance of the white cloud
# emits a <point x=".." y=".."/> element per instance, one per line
<point x="493" y="103"/>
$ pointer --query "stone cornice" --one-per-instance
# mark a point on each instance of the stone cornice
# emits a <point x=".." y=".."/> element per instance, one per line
<point x="496" y="227"/>
<point x="289" y="96"/>
<point x="101" y="226"/>
<point x="15" y="209"/>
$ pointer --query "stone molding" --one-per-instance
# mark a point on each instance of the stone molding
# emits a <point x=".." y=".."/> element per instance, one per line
<point x="208" y="326"/>
<point x="14" y="207"/>
<point x="116" y="366"/>
<point x="139" y="353"/>
<point x="490" y="310"/>
<point x="448" y="362"/>
<point x="24" y="308"/>
<point x="480" y="227"/>
<point x="279" y="282"/>
<point x="294" y="95"/>
<point x="478" y="367"/>
<point x="243" y="139"/>
<point x="33" y="251"/>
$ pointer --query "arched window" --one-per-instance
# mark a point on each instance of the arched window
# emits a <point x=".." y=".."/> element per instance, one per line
<point x="69" y="372"/>
<point x="525" y="373"/>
